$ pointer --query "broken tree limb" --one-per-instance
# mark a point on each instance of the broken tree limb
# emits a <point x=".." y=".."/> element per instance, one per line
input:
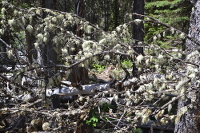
<point x="87" y="89"/>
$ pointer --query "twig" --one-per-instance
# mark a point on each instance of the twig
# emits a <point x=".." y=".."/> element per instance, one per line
<point x="7" y="45"/>
<point x="17" y="84"/>
<point x="120" y="119"/>
<point x="168" y="26"/>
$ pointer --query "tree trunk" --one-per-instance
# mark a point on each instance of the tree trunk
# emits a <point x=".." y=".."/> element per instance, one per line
<point x="138" y="30"/>
<point x="51" y="55"/>
<point x="79" y="74"/>
<point x="30" y="50"/>
<point x="106" y="15"/>
<point x="190" y="121"/>
<point x="116" y="13"/>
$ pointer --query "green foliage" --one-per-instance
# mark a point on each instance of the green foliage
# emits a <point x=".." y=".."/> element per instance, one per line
<point x="137" y="130"/>
<point x="96" y="115"/>
<point x="92" y="121"/>
<point x="127" y="64"/>
<point x="174" y="13"/>
<point x="105" y="107"/>
<point x="98" y="67"/>
<point x="25" y="5"/>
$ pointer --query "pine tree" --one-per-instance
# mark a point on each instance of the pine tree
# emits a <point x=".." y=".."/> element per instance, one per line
<point x="172" y="12"/>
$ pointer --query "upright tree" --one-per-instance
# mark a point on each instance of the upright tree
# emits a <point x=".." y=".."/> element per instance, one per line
<point x="50" y="54"/>
<point x="138" y="28"/>
<point x="78" y="75"/>
<point x="189" y="106"/>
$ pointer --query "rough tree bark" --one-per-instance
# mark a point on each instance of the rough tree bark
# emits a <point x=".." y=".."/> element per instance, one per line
<point x="30" y="50"/>
<point x="51" y="55"/>
<point x="116" y="13"/>
<point x="138" y="29"/>
<point x="106" y="14"/>
<point x="190" y="121"/>
<point x="78" y="74"/>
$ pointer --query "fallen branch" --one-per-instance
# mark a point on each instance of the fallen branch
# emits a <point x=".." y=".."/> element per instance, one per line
<point x="87" y="89"/>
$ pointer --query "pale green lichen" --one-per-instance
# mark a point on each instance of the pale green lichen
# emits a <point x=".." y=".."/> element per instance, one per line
<point x="29" y="28"/>
<point x="172" y="30"/>
<point x="159" y="114"/>
<point x="2" y="31"/>
<point x="51" y="27"/>
<point x="181" y="111"/>
<point x="45" y="40"/>
<point x="3" y="10"/>
<point x="192" y="55"/>
<point x="88" y="29"/>
<point x="164" y="34"/>
<point x="163" y="87"/>
<point x="130" y="52"/>
<point x="11" y="22"/>
<point x="64" y="51"/>
<point x="3" y="22"/>
<point x="155" y="38"/>
<point x="156" y="82"/>
<point x="164" y="121"/>
<point x="118" y="46"/>
<point x="36" y="45"/>
<point x="87" y="44"/>
<point x="118" y="28"/>
<point x="88" y="54"/>
<point x="24" y="20"/>
<point x="4" y="2"/>
<point x="30" y="19"/>
<point x="10" y="53"/>
<point x="158" y="36"/>
<point x="69" y="17"/>
<point x="145" y="119"/>
<point x="46" y="126"/>
<point x="40" y="36"/>
<point x="147" y="62"/>
<point x="38" y="12"/>
<point x="160" y="59"/>
<point x="169" y="108"/>
<point x="190" y="70"/>
<point x="138" y="21"/>
<point x="149" y="86"/>
<point x="103" y="41"/>
<point x="141" y="89"/>
<point x="139" y="59"/>
<point x="107" y="57"/>
<point x="60" y="16"/>
<point x="182" y="35"/>
<point x="54" y="20"/>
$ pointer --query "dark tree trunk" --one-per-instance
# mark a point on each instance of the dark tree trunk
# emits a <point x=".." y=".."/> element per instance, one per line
<point x="92" y="11"/>
<point x="116" y="13"/>
<point x="106" y="15"/>
<point x="51" y="55"/>
<point x="30" y="40"/>
<point x="138" y="30"/>
<point x="190" y="122"/>
<point x="78" y="74"/>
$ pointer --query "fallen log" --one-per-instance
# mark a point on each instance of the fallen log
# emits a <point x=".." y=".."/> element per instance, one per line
<point x="89" y="89"/>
